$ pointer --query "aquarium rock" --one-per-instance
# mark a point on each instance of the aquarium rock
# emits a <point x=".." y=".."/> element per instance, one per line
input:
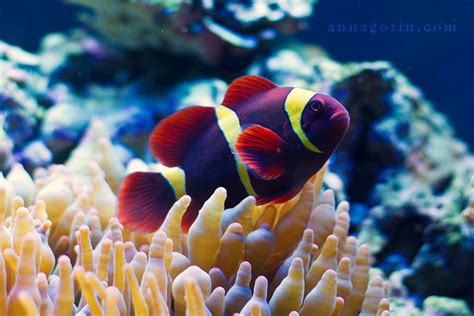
<point x="212" y="31"/>
<point x="442" y="306"/>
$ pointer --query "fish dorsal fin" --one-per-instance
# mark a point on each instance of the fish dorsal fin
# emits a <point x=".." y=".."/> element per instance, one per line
<point x="263" y="151"/>
<point x="173" y="136"/>
<point x="245" y="87"/>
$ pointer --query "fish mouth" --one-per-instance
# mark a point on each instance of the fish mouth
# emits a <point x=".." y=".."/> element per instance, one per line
<point x="339" y="116"/>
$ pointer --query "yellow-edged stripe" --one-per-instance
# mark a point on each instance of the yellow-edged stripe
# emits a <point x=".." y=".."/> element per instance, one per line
<point x="229" y="124"/>
<point x="176" y="179"/>
<point x="294" y="105"/>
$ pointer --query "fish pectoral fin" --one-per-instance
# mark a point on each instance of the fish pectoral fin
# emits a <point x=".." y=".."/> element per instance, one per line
<point x="263" y="151"/>
<point x="173" y="136"/>
<point x="245" y="87"/>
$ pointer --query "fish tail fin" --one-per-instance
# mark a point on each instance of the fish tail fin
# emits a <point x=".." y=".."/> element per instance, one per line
<point x="144" y="200"/>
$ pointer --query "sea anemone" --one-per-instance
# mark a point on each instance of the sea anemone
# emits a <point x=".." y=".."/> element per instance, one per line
<point x="64" y="252"/>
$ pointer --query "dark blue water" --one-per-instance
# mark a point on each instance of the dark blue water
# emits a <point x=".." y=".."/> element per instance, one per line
<point x="440" y="62"/>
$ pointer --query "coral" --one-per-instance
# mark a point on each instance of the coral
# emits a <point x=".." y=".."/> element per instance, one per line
<point x="64" y="252"/>
<point x="206" y="92"/>
<point x="442" y="247"/>
<point x="207" y="30"/>
<point x="441" y="306"/>
<point x="22" y="94"/>
<point x="34" y="155"/>
<point x="63" y="127"/>
<point x="43" y="119"/>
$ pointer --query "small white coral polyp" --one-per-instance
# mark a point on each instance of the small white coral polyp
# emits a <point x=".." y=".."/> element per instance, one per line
<point x="65" y="253"/>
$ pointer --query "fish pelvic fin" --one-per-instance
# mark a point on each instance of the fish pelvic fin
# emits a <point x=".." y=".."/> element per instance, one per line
<point x="144" y="200"/>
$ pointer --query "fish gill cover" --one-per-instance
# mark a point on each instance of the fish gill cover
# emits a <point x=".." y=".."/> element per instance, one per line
<point x="78" y="113"/>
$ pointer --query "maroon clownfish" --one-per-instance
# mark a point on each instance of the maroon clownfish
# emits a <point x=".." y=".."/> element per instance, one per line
<point x="264" y="140"/>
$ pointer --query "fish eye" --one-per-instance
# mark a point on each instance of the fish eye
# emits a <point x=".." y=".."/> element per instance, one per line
<point x="316" y="105"/>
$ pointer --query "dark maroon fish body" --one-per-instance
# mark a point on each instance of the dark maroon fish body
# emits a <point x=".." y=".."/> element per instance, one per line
<point x="265" y="141"/>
